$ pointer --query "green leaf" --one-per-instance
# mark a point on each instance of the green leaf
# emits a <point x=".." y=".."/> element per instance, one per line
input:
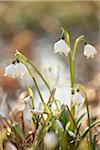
<point x="94" y="142"/>
<point x="78" y="121"/>
<point x="85" y="132"/>
<point x="18" y="131"/>
<point x="62" y="138"/>
<point x="83" y="145"/>
<point x="64" y="117"/>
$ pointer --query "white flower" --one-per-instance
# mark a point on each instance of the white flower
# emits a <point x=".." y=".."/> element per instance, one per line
<point x="50" y="140"/>
<point x="71" y="133"/>
<point x="10" y="146"/>
<point x="59" y="124"/>
<point x="89" y="51"/>
<point x="37" y="111"/>
<point x="21" y="69"/>
<point x="15" y="70"/>
<point x="78" y="99"/>
<point x="10" y="71"/>
<point x="61" y="47"/>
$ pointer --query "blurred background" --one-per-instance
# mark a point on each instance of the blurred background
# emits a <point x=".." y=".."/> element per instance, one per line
<point x="33" y="28"/>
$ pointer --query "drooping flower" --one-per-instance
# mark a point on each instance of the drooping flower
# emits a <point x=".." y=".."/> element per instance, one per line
<point x="77" y="98"/>
<point x="15" y="70"/>
<point x="21" y="69"/>
<point x="10" y="71"/>
<point x="50" y="140"/>
<point x="61" y="47"/>
<point x="59" y="124"/>
<point x="89" y="51"/>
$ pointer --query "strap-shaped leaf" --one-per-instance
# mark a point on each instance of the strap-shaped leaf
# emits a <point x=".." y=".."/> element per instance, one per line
<point x="78" y="121"/>
<point x="85" y="132"/>
<point x="18" y="131"/>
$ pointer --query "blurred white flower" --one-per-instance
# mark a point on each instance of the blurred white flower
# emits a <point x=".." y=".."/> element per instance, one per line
<point x="10" y="146"/>
<point x="63" y="94"/>
<point x="21" y="104"/>
<point x="37" y="111"/>
<point x="77" y="98"/>
<point x="50" y="140"/>
<point x="61" y="47"/>
<point x="26" y="99"/>
<point x="89" y="51"/>
<point x="16" y="70"/>
<point x="26" y="80"/>
<point x="10" y="71"/>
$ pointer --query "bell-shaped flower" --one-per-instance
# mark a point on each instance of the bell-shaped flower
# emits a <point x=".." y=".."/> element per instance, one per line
<point x="89" y="51"/>
<point x="77" y="98"/>
<point x="50" y="140"/>
<point x="16" y="70"/>
<point x="61" y="47"/>
<point x="59" y="124"/>
<point x="10" y="71"/>
<point x="21" y="69"/>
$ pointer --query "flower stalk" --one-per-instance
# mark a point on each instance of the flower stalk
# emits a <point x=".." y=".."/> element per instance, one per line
<point x="38" y="72"/>
<point x="88" y="113"/>
<point x="19" y="56"/>
<point x="71" y="63"/>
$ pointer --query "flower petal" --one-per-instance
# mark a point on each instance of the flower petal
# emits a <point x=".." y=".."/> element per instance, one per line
<point x="21" y="69"/>
<point x="61" y="47"/>
<point x="10" y="70"/>
<point x="89" y="51"/>
<point x="78" y="99"/>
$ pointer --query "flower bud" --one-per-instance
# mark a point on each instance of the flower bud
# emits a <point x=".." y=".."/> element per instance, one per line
<point x="50" y="140"/>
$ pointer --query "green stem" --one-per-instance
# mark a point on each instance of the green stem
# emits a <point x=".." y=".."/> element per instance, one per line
<point x="20" y="56"/>
<point x="36" y="85"/>
<point x="38" y="90"/>
<point x="47" y="85"/>
<point x="71" y="63"/>
<point x="71" y="71"/>
<point x="71" y="116"/>
<point x="88" y="114"/>
<point x="77" y="41"/>
<point x="32" y="96"/>
<point x="89" y="121"/>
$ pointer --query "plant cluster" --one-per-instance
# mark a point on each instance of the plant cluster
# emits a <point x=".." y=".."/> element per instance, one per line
<point x="54" y="126"/>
